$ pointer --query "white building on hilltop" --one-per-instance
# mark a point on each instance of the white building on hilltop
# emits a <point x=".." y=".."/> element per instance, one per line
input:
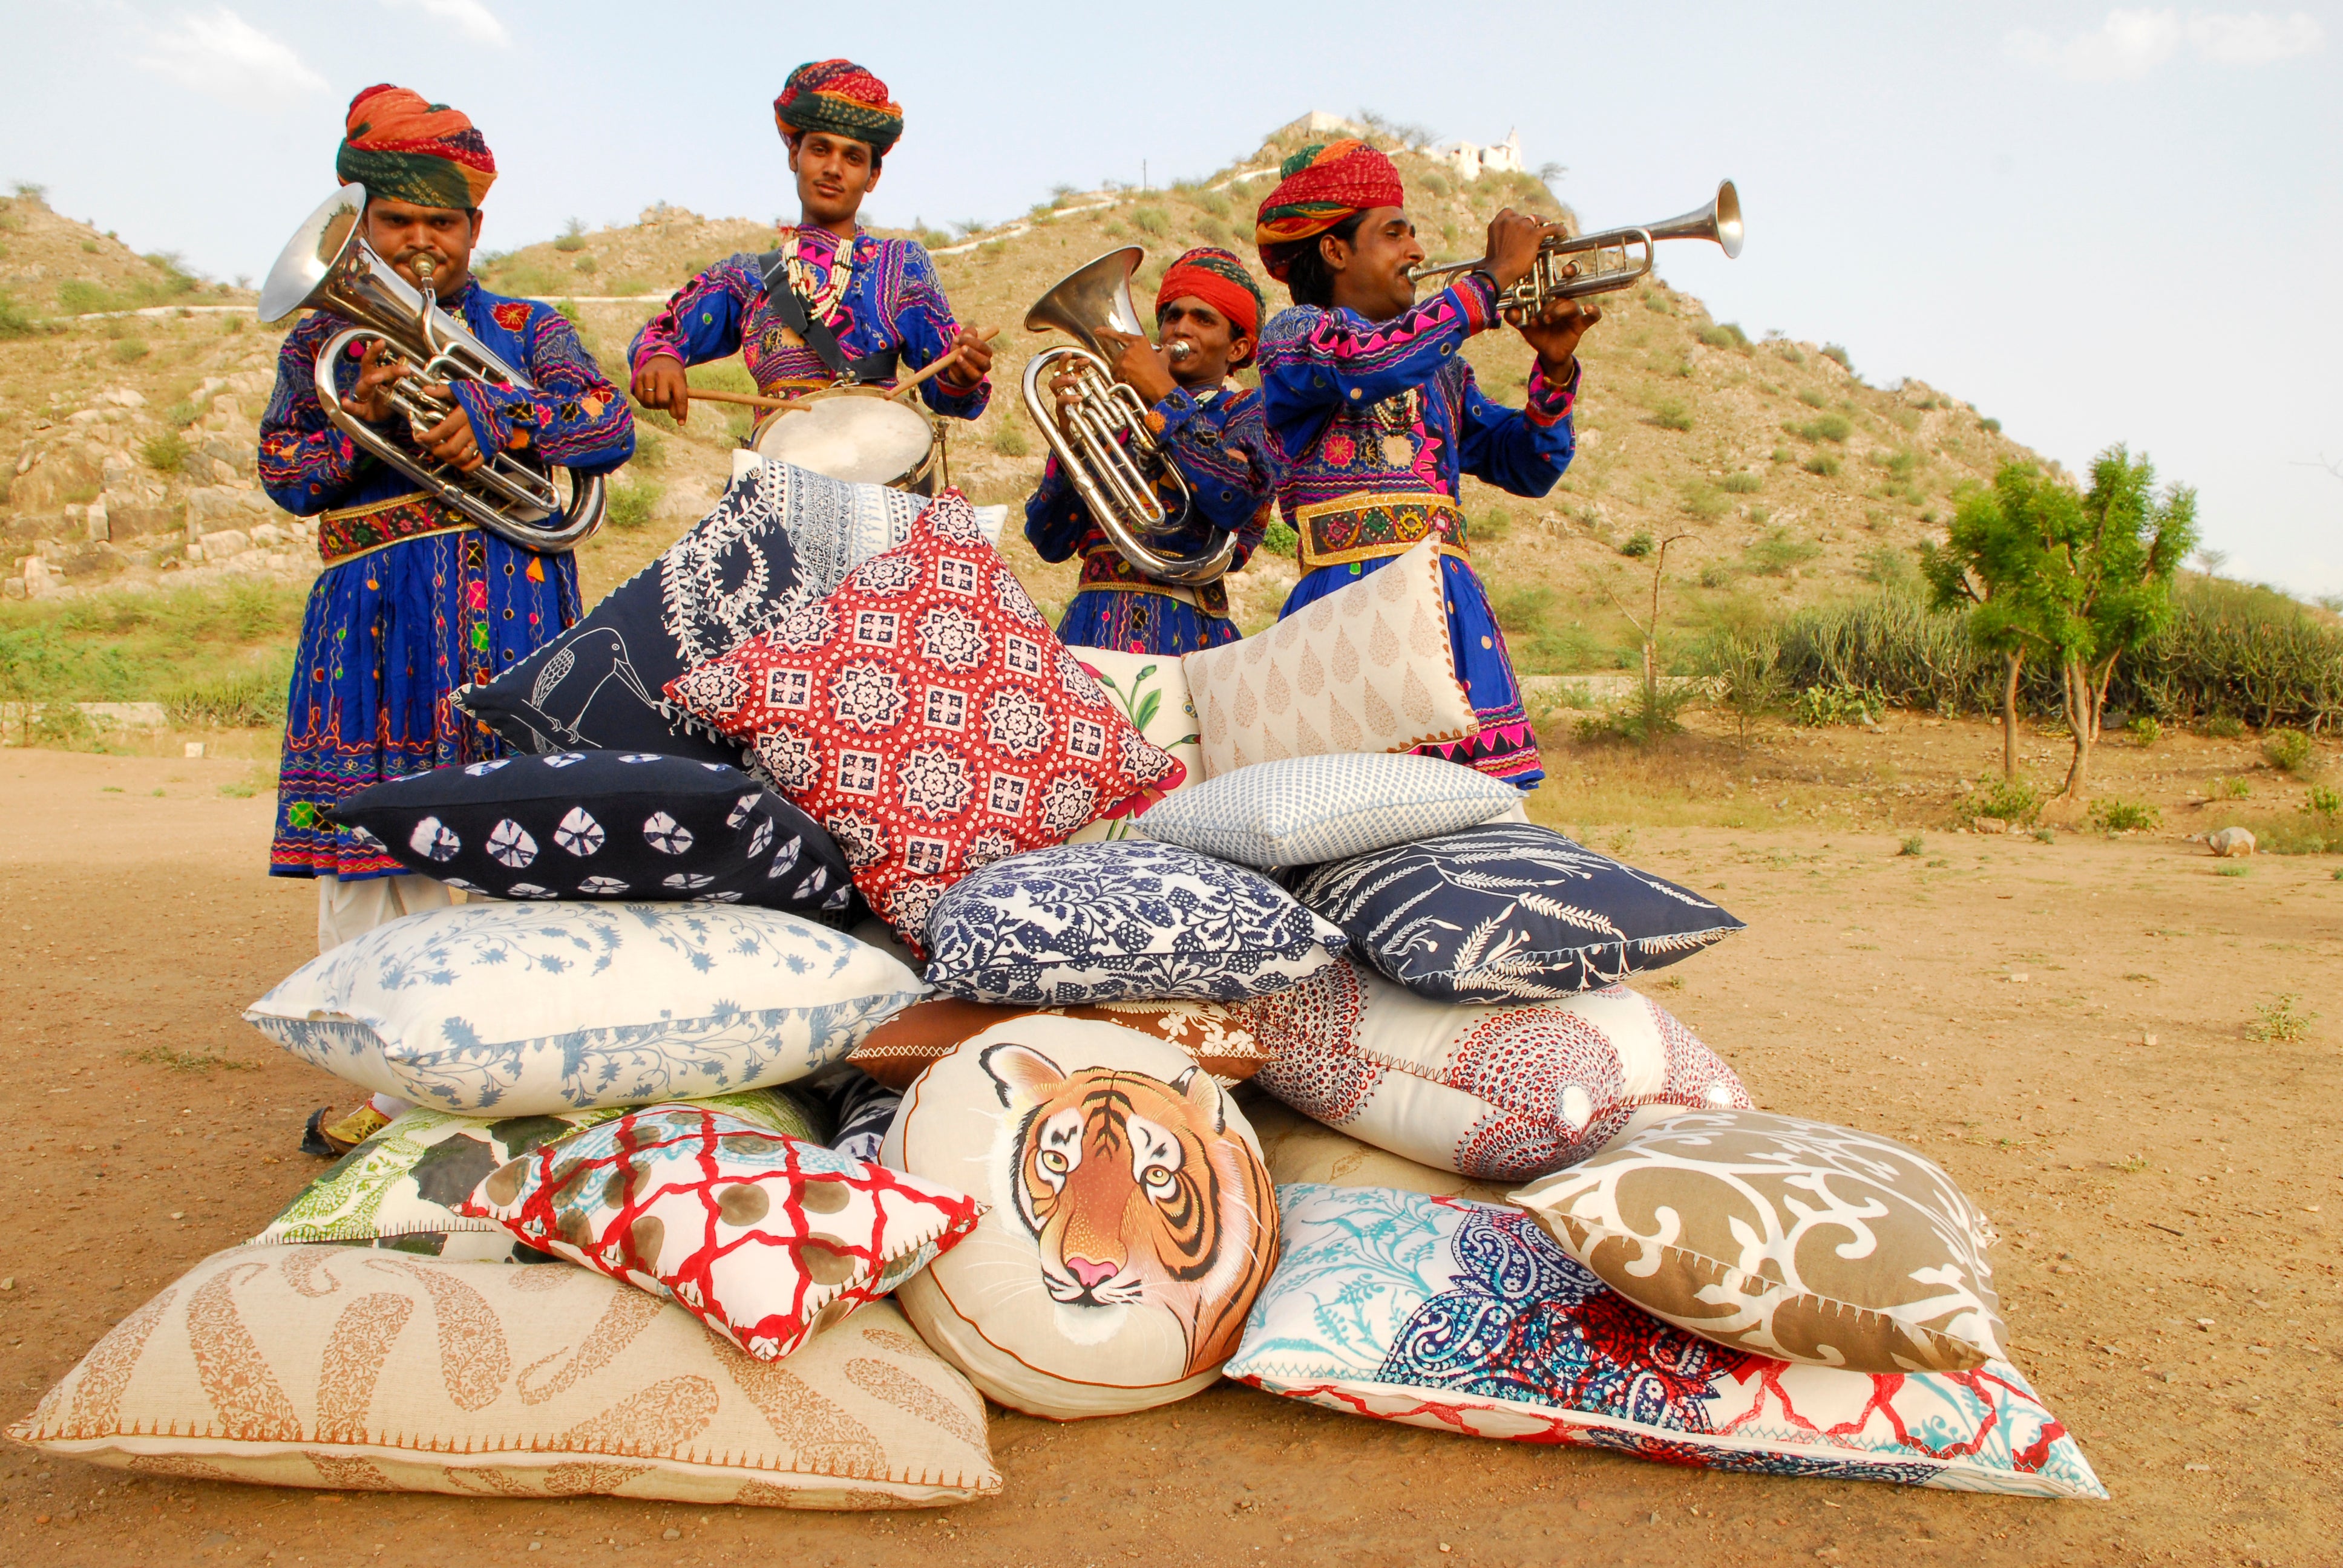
<point x="1469" y="159"/>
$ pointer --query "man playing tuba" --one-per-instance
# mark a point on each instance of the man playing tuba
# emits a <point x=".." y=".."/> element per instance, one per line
<point x="1373" y="416"/>
<point x="835" y="302"/>
<point x="1208" y="313"/>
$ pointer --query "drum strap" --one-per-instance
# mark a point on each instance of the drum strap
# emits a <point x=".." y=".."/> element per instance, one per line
<point x="791" y="307"/>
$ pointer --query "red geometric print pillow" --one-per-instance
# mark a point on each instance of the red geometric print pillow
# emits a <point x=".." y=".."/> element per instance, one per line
<point x="764" y="1238"/>
<point x="927" y="716"/>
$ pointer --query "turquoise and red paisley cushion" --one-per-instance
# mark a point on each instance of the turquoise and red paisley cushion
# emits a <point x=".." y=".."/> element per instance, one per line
<point x="928" y="718"/>
<point x="764" y="1238"/>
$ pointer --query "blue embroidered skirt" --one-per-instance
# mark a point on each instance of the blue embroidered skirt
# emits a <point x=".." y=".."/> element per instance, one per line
<point x="1506" y="747"/>
<point x="386" y="636"/>
<point x="1141" y="623"/>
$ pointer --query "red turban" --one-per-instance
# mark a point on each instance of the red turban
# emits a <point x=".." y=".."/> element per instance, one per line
<point x="841" y="98"/>
<point x="398" y="145"/>
<point x="1321" y="187"/>
<point x="1220" y="280"/>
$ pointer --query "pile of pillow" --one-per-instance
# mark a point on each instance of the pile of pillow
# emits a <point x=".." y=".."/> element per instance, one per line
<point x="1193" y="1024"/>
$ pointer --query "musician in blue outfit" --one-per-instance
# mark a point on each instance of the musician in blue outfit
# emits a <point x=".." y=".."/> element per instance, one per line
<point x="1208" y="315"/>
<point x="1373" y="416"/>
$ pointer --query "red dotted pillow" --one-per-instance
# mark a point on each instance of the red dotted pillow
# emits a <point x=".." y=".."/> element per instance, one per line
<point x="927" y="716"/>
<point x="765" y="1238"/>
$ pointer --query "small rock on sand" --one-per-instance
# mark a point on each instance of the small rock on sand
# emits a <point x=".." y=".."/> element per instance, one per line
<point x="2232" y="841"/>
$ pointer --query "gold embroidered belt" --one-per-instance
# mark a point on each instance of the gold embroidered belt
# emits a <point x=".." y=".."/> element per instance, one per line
<point x="1105" y="572"/>
<point x="347" y="532"/>
<point x="1370" y="527"/>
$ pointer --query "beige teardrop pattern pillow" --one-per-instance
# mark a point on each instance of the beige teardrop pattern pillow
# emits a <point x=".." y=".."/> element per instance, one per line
<point x="1365" y="669"/>
<point x="1789" y="1238"/>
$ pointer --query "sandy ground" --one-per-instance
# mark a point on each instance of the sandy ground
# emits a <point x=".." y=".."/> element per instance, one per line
<point x="2062" y="1026"/>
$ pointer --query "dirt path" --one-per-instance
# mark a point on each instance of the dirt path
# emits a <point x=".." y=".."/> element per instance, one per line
<point x="1993" y="1009"/>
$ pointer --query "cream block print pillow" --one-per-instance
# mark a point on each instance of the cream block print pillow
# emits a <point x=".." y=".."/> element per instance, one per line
<point x="1365" y="669"/>
<point x="362" y="1371"/>
<point x="1786" y="1237"/>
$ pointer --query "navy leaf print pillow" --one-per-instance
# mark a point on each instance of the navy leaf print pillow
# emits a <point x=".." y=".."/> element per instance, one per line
<point x="1508" y="912"/>
<point x="631" y="825"/>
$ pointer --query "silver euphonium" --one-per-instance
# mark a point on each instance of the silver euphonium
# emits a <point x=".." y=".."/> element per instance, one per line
<point x="1550" y="278"/>
<point x="328" y="266"/>
<point x="1110" y="456"/>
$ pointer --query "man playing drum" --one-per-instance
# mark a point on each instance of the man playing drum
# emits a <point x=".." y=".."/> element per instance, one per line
<point x="834" y="303"/>
<point x="1208" y="313"/>
<point x="1373" y="416"/>
<point x="414" y="600"/>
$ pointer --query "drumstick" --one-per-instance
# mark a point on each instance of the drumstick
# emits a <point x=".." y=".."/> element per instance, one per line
<point x="745" y="399"/>
<point x="938" y="368"/>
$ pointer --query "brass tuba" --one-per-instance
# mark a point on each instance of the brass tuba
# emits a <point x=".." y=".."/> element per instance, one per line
<point x="328" y="266"/>
<point x="1109" y="454"/>
<point x="1719" y="221"/>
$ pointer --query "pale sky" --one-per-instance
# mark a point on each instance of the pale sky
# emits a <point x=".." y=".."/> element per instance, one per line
<point x="2098" y="225"/>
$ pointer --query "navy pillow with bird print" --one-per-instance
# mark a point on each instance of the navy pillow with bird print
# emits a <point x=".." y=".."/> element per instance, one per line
<point x="629" y="825"/>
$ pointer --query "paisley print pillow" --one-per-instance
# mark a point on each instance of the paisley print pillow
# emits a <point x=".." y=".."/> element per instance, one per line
<point x="1462" y="1318"/>
<point x="1790" y="1238"/>
<point x="1497" y="1093"/>
<point x="1508" y="913"/>
<point x="1130" y="1222"/>
<point x="764" y="1238"/>
<point x="1124" y="921"/>
<point x="351" y="1369"/>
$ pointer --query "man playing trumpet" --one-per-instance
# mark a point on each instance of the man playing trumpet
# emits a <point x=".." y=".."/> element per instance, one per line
<point x="414" y="600"/>
<point x="835" y="302"/>
<point x="1208" y="313"/>
<point x="1372" y="417"/>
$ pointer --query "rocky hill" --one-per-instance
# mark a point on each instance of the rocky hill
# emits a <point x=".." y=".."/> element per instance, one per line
<point x="1792" y="478"/>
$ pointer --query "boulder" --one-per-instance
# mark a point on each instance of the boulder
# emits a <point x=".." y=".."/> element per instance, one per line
<point x="1990" y="825"/>
<point x="138" y="522"/>
<point x="54" y="477"/>
<point x="221" y="544"/>
<point x="213" y="506"/>
<point x="40" y="582"/>
<point x="2230" y="841"/>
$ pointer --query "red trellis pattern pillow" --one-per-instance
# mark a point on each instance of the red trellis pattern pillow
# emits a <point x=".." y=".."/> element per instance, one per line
<point x="927" y="716"/>
<point x="764" y="1238"/>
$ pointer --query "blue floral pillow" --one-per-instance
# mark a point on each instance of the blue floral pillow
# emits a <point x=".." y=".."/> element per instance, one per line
<point x="1463" y="1317"/>
<point x="1126" y="920"/>
<point x="1508" y="912"/>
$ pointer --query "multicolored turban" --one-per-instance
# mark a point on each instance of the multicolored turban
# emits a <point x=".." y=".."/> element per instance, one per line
<point x="398" y="145"/>
<point x="1218" y="278"/>
<point x="1322" y="186"/>
<point x="839" y="98"/>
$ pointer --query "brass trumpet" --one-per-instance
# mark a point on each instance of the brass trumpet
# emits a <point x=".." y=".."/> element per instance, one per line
<point x="1550" y="279"/>
<point x="330" y="265"/>
<point x="1110" y="456"/>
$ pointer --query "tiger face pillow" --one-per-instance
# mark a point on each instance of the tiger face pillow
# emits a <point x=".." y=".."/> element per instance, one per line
<point x="1132" y="1221"/>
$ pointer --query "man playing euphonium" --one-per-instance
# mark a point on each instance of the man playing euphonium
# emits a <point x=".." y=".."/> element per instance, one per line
<point x="1372" y="415"/>
<point x="834" y="302"/>
<point x="414" y="600"/>
<point x="1208" y="314"/>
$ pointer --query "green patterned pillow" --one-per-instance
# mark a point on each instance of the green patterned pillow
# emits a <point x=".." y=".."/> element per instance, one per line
<point x="399" y="1188"/>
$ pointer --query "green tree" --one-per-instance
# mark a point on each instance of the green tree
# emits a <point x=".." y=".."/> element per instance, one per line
<point x="2075" y="578"/>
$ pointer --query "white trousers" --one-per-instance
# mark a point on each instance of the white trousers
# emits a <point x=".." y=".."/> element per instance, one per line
<point x="346" y="909"/>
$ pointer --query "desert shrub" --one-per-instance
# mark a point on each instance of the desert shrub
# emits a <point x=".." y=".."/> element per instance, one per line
<point x="1725" y="335"/>
<point x="15" y="321"/>
<point x="2225" y="726"/>
<point x="2288" y="750"/>
<point x="1009" y="439"/>
<point x="1913" y="844"/>
<point x="1777" y="552"/>
<point x="2279" y="1022"/>
<point x="1832" y="427"/>
<point x="1280" y="540"/>
<point x="1542" y="640"/>
<point x="2113" y="815"/>
<point x="1811" y="397"/>
<point x="1816" y="705"/>
<point x="2147" y="731"/>
<point x="632" y="504"/>
<point x="1990" y="427"/>
<point x="1833" y="351"/>
<point x="2229" y="790"/>
<point x="166" y="453"/>
<point x="1639" y="544"/>
<point x="1889" y="568"/>
<point x="573" y="238"/>
<point x="1704" y="502"/>
<point x="247" y="698"/>
<point x="1744" y="671"/>
<point x="2009" y="799"/>
<point x="1741" y="483"/>
<point x="1150" y="220"/>
<point x="1671" y="414"/>
<point x="2324" y="801"/>
<point x="1826" y="463"/>
<point x="130" y="351"/>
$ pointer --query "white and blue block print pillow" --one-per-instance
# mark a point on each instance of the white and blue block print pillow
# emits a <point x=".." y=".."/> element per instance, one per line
<point x="1301" y="810"/>
<point x="529" y="1010"/>
<point x="1125" y="920"/>
<point x="1508" y="912"/>
<point x="1464" y="1317"/>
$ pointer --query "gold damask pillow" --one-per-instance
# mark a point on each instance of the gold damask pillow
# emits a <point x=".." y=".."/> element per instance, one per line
<point x="1365" y="669"/>
<point x="357" y="1369"/>
<point x="1785" y="1237"/>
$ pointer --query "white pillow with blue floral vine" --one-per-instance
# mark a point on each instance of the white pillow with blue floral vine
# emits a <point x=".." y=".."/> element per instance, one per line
<point x="1150" y="690"/>
<point x="529" y="1009"/>
<point x="399" y="1188"/>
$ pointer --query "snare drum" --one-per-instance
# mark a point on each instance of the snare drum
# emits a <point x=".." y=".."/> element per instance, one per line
<point x="861" y="436"/>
